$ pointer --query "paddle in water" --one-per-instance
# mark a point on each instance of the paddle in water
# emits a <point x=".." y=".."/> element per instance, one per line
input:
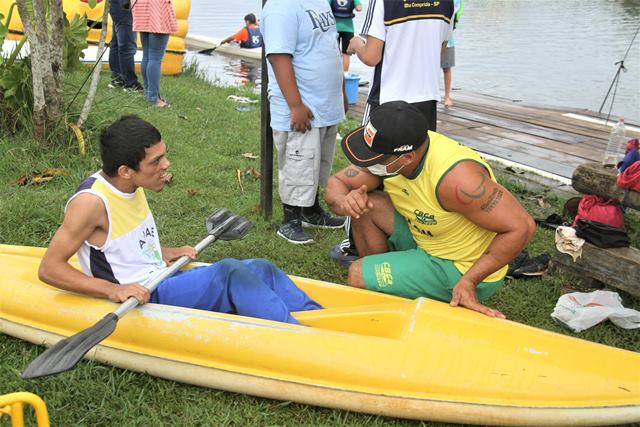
<point x="208" y="51"/>
<point x="221" y="225"/>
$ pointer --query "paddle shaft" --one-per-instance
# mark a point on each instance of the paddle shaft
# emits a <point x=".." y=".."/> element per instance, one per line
<point x="131" y="303"/>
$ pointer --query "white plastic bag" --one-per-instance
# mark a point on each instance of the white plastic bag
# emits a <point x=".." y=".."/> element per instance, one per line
<point x="580" y="311"/>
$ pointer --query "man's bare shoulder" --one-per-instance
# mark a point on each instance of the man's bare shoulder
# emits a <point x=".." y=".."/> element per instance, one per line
<point x="86" y="208"/>
<point x="465" y="183"/>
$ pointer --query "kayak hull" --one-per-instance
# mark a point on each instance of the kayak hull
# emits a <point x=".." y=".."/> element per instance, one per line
<point x="364" y="352"/>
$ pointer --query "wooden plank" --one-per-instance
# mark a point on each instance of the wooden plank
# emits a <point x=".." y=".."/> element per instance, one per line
<point x="593" y="178"/>
<point x="539" y="158"/>
<point x="616" y="267"/>
<point x="517" y="126"/>
<point x="578" y="150"/>
<point x="537" y="116"/>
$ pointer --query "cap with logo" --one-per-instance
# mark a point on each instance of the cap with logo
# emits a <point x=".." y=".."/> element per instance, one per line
<point x="394" y="128"/>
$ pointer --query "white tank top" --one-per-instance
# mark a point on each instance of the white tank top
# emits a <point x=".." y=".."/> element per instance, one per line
<point x="131" y="253"/>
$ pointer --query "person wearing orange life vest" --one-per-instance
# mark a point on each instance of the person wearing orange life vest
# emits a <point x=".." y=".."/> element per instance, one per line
<point x="250" y="36"/>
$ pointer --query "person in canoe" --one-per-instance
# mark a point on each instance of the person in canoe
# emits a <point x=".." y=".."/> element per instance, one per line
<point x="107" y="222"/>
<point x="249" y="36"/>
<point x="442" y="228"/>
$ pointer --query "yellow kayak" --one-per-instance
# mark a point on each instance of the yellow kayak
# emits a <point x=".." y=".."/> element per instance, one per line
<point x="172" y="62"/>
<point x="364" y="352"/>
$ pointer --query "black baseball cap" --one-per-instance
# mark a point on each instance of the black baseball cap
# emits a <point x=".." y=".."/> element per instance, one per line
<point x="394" y="128"/>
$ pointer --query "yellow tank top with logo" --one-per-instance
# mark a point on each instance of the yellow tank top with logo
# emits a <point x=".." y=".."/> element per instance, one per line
<point x="441" y="233"/>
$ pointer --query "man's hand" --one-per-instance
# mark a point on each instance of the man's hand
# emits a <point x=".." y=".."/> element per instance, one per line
<point x="355" y="44"/>
<point x="121" y="293"/>
<point x="301" y="117"/>
<point x="464" y="294"/>
<point x="171" y="254"/>
<point x="356" y="202"/>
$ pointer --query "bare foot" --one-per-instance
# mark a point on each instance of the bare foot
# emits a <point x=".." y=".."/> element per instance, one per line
<point x="448" y="102"/>
<point x="161" y="103"/>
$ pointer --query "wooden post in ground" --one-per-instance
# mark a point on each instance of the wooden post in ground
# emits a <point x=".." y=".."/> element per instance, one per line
<point x="266" y="145"/>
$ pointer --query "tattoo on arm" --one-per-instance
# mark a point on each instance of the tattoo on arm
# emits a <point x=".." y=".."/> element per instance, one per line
<point x="351" y="172"/>
<point x="492" y="200"/>
<point x="475" y="194"/>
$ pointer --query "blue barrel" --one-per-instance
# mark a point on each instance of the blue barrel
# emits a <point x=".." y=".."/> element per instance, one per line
<point x="351" y="82"/>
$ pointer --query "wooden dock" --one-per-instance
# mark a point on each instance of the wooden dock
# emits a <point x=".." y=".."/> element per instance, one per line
<point x="550" y="141"/>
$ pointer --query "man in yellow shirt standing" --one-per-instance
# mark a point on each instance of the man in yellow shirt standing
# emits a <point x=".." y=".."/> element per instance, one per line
<point x="443" y="228"/>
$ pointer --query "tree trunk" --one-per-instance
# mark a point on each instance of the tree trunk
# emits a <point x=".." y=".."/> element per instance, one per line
<point x="95" y="76"/>
<point x="593" y="178"/>
<point x="56" y="109"/>
<point x="46" y="62"/>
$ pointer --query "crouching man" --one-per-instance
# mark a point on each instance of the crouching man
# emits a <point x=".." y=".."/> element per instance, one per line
<point x="442" y="228"/>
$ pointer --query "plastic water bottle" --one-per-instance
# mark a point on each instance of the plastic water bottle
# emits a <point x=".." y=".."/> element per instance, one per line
<point x="616" y="145"/>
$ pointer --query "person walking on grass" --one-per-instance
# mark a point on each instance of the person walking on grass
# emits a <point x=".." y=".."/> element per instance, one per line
<point x="154" y="20"/>
<point x="307" y="102"/>
<point x="250" y="36"/>
<point x="443" y="228"/>
<point x="343" y="12"/>
<point x="107" y="222"/>
<point x="123" y="47"/>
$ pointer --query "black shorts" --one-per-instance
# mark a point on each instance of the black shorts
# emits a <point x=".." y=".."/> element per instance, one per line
<point x="343" y="40"/>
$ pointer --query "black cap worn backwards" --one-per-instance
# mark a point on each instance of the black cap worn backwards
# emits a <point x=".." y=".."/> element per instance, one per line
<point x="394" y="128"/>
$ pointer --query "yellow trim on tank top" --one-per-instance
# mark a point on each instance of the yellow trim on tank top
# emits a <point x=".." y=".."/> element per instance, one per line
<point x="126" y="213"/>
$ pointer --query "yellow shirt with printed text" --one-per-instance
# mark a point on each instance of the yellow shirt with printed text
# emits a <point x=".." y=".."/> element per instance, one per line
<point x="441" y="233"/>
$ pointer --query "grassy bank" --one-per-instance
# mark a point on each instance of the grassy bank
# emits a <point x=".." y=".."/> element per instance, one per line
<point x="207" y="138"/>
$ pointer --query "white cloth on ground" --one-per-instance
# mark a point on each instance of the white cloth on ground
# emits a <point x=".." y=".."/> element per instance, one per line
<point x="580" y="310"/>
<point x="568" y="243"/>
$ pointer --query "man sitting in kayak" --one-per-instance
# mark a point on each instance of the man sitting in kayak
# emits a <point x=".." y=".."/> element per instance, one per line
<point x="250" y="36"/>
<point x="108" y="223"/>
<point x="442" y="228"/>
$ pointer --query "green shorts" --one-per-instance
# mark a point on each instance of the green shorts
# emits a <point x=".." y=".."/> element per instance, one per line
<point x="408" y="271"/>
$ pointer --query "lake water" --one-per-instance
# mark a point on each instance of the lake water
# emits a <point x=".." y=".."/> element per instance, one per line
<point x="538" y="51"/>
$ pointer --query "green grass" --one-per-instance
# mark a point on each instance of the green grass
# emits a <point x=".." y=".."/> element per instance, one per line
<point x="206" y="137"/>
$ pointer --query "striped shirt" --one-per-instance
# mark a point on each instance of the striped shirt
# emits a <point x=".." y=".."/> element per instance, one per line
<point x="154" y="16"/>
<point x="131" y="253"/>
<point x="413" y="33"/>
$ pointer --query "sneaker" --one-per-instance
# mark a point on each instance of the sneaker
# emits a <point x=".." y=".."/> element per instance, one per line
<point x="339" y="255"/>
<point x="115" y="83"/>
<point x="135" y="87"/>
<point x="293" y="232"/>
<point x="322" y="219"/>
<point x="535" y="266"/>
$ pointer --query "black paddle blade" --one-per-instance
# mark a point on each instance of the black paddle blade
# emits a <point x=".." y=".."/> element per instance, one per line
<point x="217" y="218"/>
<point x="207" y="51"/>
<point x="240" y="227"/>
<point x="67" y="353"/>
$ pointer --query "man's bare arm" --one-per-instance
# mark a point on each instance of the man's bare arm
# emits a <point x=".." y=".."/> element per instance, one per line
<point x="301" y="115"/>
<point x="81" y="221"/>
<point x="346" y="191"/>
<point x="469" y="190"/>
<point x="370" y="52"/>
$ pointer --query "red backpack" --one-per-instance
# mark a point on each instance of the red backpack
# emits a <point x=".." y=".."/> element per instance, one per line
<point x="630" y="178"/>
<point x="595" y="208"/>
